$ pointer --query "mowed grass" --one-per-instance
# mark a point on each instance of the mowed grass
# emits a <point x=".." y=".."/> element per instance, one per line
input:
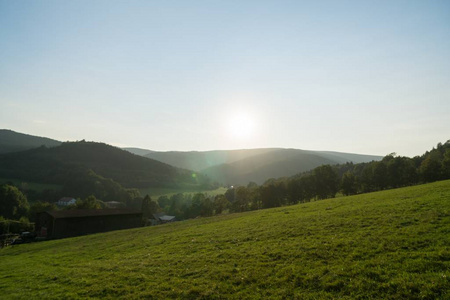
<point x="386" y="245"/>
<point x="155" y="193"/>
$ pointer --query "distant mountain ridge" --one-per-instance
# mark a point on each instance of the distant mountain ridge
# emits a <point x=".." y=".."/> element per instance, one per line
<point x="231" y="167"/>
<point x="279" y="163"/>
<point x="11" y="141"/>
<point x="238" y="167"/>
<point x="200" y="160"/>
<point x="137" y="151"/>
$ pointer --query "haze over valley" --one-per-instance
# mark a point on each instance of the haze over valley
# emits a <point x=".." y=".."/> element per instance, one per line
<point x="225" y="149"/>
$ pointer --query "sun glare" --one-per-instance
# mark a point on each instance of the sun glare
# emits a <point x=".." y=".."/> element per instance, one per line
<point x="241" y="125"/>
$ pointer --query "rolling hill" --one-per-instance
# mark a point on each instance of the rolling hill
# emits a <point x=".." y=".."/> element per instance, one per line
<point x="54" y="165"/>
<point x="230" y="167"/>
<point x="11" y="141"/>
<point x="239" y="167"/>
<point x="137" y="151"/>
<point x="200" y="160"/>
<point x="385" y="245"/>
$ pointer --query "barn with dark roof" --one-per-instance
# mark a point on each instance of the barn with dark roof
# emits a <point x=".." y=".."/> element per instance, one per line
<point x="69" y="223"/>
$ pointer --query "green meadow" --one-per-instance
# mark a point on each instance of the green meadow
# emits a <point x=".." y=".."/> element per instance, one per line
<point x="391" y="244"/>
<point x="29" y="185"/>
<point x="155" y="193"/>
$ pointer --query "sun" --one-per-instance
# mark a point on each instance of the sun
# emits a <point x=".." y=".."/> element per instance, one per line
<point x="241" y="125"/>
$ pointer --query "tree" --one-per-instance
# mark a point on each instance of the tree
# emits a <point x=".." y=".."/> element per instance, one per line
<point x="195" y="209"/>
<point x="38" y="207"/>
<point x="366" y="178"/>
<point x="295" y="191"/>
<point x="88" y="203"/>
<point x="401" y="172"/>
<point x="273" y="195"/>
<point x="220" y="204"/>
<point x="207" y="208"/>
<point x="430" y="169"/>
<point x="177" y="205"/>
<point x="242" y="199"/>
<point x="446" y="164"/>
<point x="349" y="184"/>
<point x="380" y="175"/>
<point x="13" y="204"/>
<point x="148" y="207"/>
<point x="164" y="202"/>
<point x="230" y="193"/>
<point x="326" y="182"/>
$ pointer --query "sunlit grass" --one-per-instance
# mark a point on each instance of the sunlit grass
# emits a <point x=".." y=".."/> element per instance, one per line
<point x="155" y="193"/>
<point x="386" y="245"/>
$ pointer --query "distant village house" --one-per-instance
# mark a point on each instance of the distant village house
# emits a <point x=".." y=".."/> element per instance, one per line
<point x="66" y="201"/>
<point x="161" y="218"/>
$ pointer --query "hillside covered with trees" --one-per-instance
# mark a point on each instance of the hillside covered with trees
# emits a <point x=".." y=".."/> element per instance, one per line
<point x="238" y="167"/>
<point x="11" y="141"/>
<point x="58" y="165"/>
<point x="328" y="180"/>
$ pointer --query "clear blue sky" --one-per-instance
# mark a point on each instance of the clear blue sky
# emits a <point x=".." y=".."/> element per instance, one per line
<point x="353" y="76"/>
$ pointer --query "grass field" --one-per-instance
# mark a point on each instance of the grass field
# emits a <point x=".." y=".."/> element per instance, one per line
<point x="155" y="193"/>
<point x="385" y="245"/>
<point x="26" y="185"/>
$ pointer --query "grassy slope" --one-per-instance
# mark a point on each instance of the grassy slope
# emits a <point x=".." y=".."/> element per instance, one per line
<point x="390" y="244"/>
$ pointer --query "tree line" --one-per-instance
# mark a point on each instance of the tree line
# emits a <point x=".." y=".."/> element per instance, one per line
<point x="327" y="181"/>
<point x="323" y="182"/>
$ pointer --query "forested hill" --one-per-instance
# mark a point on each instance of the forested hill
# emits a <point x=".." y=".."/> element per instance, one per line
<point x="236" y="167"/>
<point x="259" y="168"/>
<point x="11" y="141"/>
<point x="200" y="160"/>
<point x="55" y="165"/>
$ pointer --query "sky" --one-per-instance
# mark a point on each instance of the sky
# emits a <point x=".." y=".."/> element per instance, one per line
<point x="369" y="77"/>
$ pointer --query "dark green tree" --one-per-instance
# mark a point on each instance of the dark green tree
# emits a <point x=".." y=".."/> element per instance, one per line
<point x="242" y="199"/>
<point x="230" y="193"/>
<point x="207" y="208"/>
<point x="326" y="182"/>
<point x="164" y="202"/>
<point x="430" y="169"/>
<point x="89" y="202"/>
<point x="273" y="195"/>
<point x="380" y="175"/>
<point x="220" y="204"/>
<point x="295" y="191"/>
<point x="177" y="205"/>
<point x="195" y="209"/>
<point x="349" y="184"/>
<point x="13" y="204"/>
<point x="446" y="164"/>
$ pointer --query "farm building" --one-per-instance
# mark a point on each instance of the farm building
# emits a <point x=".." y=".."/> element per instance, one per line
<point x="66" y="201"/>
<point x="68" y="223"/>
<point x="161" y="218"/>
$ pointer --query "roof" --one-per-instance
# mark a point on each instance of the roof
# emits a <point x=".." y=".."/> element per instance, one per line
<point x="167" y="218"/>
<point x="66" y="199"/>
<point x="163" y="217"/>
<point x="78" y="213"/>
